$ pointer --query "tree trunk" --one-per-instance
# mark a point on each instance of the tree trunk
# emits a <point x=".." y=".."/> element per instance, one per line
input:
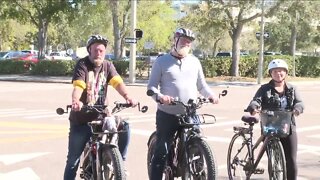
<point x="236" y="50"/>
<point x="42" y="37"/>
<point x="116" y="28"/>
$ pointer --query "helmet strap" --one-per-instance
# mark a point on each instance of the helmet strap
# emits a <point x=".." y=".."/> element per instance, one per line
<point x="176" y="46"/>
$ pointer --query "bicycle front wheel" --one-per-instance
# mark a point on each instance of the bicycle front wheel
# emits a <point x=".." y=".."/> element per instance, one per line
<point x="112" y="164"/>
<point x="237" y="158"/>
<point x="276" y="160"/>
<point x="200" y="163"/>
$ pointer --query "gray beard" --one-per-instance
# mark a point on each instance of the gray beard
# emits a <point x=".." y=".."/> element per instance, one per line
<point x="183" y="51"/>
<point x="97" y="62"/>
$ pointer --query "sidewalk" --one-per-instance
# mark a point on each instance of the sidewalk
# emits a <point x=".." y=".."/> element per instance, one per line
<point x="138" y="82"/>
<point x="53" y="79"/>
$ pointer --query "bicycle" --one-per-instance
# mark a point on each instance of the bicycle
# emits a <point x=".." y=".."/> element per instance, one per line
<point x="190" y="156"/>
<point x="101" y="157"/>
<point x="241" y="159"/>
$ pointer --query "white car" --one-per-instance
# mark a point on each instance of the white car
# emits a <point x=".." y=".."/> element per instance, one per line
<point x="59" y="56"/>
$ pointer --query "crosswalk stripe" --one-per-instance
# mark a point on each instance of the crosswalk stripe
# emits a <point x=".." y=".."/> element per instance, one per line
<point x="9" y="110"/>
<point x="305" y="129"/>
<point x="24" y="113"/>
<point x="40" y="116"/>
<point x="314" y="136"/>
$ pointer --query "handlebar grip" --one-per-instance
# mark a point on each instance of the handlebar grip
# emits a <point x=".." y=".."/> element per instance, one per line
<point x="126" y="105"/>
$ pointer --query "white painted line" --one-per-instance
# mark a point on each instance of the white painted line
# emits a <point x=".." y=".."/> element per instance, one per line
<point x="310" y="128"/>
<point x="27" y="132"/>
<point x="9" y="110"/>
<point x="307" y="147"/>
<point x="219" y="124"/>
<point x="24" y="113"/>
<point x="141" y="132"/>
<point x="25" y="174"/>
<point x="314" y="136"/>
<point x="9" y="159"/>
<point x="41" y="116"/>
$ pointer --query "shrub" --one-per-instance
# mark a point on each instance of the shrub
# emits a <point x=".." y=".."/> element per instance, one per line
<point x="12" y="67"/>
<point x="54" y="68"/>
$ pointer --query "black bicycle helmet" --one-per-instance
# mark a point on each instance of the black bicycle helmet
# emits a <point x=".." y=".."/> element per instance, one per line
<point x="183" y="32"/>
<point x="96" y="38"/>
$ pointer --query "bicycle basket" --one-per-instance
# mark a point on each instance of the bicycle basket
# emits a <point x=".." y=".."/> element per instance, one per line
<point x="276" y="123"/>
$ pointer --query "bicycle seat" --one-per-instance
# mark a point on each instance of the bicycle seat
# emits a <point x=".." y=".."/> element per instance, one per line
<point x="250" y="119"/>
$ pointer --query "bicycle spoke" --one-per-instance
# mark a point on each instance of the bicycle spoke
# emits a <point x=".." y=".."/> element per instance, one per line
<point x="237" y="158"/>
<point x="277" y="166"/>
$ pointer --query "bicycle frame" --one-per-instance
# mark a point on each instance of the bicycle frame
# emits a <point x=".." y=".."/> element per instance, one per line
<point x="255" y="160"/>
<point x="94" y="159"/>
<point x="251" y="165"/>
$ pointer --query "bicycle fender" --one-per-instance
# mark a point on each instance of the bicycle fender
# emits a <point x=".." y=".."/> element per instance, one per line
<point x="152" y="136"/>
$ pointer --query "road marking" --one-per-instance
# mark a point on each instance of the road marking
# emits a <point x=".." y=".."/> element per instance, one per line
<point x="24" y="113"/>
<point x="9" y="159"/>
<point x="9" y="110"/>
<point x="31" y="131"/>
<point x="314" y="136"/>
<point x="40" y="116"/>
<point x="26" y="173"/>
<point x="310" y="128"/>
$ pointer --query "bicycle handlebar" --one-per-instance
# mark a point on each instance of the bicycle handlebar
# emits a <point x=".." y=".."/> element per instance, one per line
<point x="198" y="104"/>
<point x="100" y="108"/>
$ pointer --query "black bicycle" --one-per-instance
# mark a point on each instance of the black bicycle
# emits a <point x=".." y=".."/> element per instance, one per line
<point x="190" y="156"/>
<point x="241" y="159"/>
<point x="101" y="157"/>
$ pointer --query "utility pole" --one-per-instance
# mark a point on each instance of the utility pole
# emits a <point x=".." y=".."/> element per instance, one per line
<point x="132" y="63"/>
<point x="261" y="45"/>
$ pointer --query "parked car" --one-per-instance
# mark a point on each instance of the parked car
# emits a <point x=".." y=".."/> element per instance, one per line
<point x="224" y="54"/>
<point x="109" y="57"/>
<point x="59" y="56"/>
<point x="11" y="54"/>
<point x="29" y="57"/>
<point x="271" y="53"/>
<point x="34" y="52"/>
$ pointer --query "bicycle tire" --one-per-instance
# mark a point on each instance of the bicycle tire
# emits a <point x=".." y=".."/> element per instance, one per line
<point x="276" y="160"/>
<point x="112" y="166"/>
<point x="88" y="170"/>
<point x="168" y="173"/>
<point x="201" y="163"/>
<point x="151" y="149"/>
<point x="237" y="157"/>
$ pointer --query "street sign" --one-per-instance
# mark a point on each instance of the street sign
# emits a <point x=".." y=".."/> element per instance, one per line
<point x="266" y="34"/>
<point x="130" y="40"/>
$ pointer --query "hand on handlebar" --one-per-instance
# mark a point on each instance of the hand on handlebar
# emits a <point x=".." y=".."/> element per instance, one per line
<point x="76" y="105"/>
<point x="213" y="99"/>
<point x="165" y="99"/>
<point x="132" y="101"/>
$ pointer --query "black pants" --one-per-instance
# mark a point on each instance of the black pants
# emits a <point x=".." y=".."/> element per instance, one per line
<point x="167" y="125"/>
<point x="290" y="147"/>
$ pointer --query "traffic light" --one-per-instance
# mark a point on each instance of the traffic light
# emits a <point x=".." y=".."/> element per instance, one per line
<point x="139" y="33"/>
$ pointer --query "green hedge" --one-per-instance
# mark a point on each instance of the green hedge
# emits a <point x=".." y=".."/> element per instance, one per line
<point x="13" y="67"/>
<point x="305" y="66"/>
<point x="248" y="66"/>
<point x="53" y="68"/>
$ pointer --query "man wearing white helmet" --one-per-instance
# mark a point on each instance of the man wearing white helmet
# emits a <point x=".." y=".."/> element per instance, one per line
<point x="277" y="95"/>
<point x="177" y="74"/>
<point x="90" y="80"/>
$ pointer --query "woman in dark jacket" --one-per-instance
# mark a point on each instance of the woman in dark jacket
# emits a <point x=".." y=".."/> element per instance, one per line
<point x="275" y="95"/>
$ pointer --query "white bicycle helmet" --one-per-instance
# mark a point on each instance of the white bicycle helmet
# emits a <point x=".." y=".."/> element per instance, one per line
<point x="96" y="38"/>
<point x="183" y="32"/>
<point x="277" y="63"/>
